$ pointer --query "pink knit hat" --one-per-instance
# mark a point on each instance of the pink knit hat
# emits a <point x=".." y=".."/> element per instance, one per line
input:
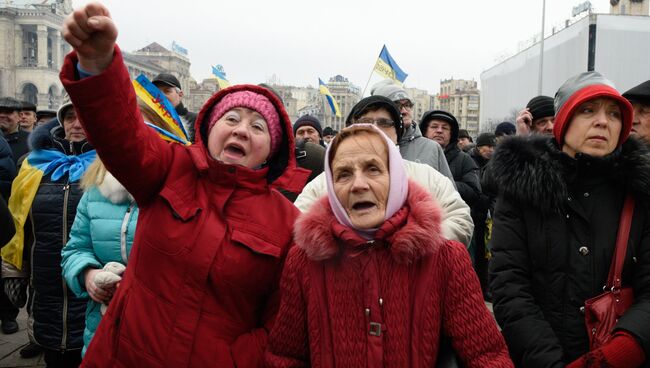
<point x="253" y="101"/>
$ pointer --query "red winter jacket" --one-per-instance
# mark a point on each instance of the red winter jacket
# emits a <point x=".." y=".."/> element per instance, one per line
<point x="201" y="289"/>
<point x="347" y="302"/>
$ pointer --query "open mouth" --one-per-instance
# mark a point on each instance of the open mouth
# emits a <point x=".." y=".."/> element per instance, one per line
<point x="234" y="150"/>
<point x="363" y="205"/>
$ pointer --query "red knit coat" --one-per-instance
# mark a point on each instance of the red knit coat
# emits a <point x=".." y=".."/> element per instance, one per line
<point x="347" y="302"/>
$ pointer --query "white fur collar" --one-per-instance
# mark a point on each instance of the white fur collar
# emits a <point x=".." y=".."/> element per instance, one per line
<point x="113" y="190"/>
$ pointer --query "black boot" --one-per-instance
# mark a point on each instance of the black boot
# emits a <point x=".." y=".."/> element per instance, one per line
<point x="9" y="326"/>
<point x="31" y="350"/>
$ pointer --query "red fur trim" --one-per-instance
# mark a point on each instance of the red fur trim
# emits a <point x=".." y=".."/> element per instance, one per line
<point x="420" y="235"/>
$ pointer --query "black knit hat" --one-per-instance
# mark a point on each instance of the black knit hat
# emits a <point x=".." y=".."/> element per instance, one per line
<point x="312" y="121"/>
<point x="463" y="133"/>
<point x="328" y="131"/>
<point x="373" y="103"/>
<point x="486" y="139"/>
<point x="28" y="106"/>
<point x="541" y="107"/>
<point x="504" y="128"/>
<point x="640" y="93"/>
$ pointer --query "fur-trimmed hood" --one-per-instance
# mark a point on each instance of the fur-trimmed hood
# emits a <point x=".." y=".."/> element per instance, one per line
<point x="51" y="135"/>
<point x="413" y="232"/>
<point x="534" y="171"/>
<point x="113" y="190"/>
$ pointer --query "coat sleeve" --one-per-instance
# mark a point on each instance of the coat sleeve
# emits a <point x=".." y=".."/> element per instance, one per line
<point x="107" y="107"/>
<point x="469" y="185"/>
<point x="466" y="319"/>
<point x="515" y="307"/>
<point x="457" y="221"/>
<point x="78" y="254"/>
<point x="636" y="320"/>
<point x="248" y="349"/>
<point x="7" y="227"/>
<point x="288" y="343"/>
<point x="311" y="193"/>
<point x="7" y="169"/>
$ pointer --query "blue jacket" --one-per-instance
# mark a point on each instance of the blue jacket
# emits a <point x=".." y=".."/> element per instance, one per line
<point x="102" y="232"/>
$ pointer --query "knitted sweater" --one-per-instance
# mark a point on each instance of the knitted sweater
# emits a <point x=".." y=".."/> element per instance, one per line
<point x="347" y="302"/>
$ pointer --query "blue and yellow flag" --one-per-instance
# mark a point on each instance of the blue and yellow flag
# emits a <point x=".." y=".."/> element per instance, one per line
<point x="387" y="67"/>
<point x="330" y="99"/>
<point x="158" y="102"/>
<point x="25" y="186"/>
<point x="219" y="73"/>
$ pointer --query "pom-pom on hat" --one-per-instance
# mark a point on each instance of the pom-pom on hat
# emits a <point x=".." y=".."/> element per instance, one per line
<point x="584" y="87"/>
<point x="253" y="101"/>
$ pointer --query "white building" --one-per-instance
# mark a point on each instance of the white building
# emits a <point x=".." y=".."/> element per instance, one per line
<point x="617" y="46"/>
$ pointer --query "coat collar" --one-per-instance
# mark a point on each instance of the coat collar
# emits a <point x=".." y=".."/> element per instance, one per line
<point x="534" y="171"/>
<point x="413" y="232"/>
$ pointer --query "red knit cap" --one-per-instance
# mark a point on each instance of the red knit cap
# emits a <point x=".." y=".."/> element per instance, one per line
<point x="253" y="101"/>
<point x="582" y="88"/>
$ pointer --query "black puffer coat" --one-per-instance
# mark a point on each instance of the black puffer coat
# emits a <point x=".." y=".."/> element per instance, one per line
<point x="554" y="233"/>
<point x="59" y="316"/>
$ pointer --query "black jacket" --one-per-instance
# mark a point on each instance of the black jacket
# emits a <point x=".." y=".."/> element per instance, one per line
<point x="59" y="316"/>
<point x="189" y="119"/>
<point x="7" y="169"/>
<point x="466" y="174"/>
<point x="554" y="233"/>
<point x="18" y="143"/>
<point x="7" y="229"/>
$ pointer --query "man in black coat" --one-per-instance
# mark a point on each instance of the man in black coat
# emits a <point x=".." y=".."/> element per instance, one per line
<point x="442" y="127"/>
<point x="9" y="118"/>
<point x="171" y="87"/>
<point x="639" y="96"/>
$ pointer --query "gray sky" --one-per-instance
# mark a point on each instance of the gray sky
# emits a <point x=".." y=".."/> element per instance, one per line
<point x="301" y="40"/>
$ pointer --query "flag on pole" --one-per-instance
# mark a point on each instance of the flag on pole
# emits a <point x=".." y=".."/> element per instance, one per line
<point x="387" y="67"/>
<point x="330" y="99"/>
<point x="218" y="72"/>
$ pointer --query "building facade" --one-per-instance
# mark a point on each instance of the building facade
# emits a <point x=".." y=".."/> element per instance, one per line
<point x="346" y="95"/>
<point x="462" y="99"/>
<point x="33" y="50"/>
<point x="629" y="7"/>
<point x="421" y="101"/>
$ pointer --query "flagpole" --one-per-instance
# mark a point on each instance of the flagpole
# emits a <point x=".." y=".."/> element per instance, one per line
<point x="371" y="71"/>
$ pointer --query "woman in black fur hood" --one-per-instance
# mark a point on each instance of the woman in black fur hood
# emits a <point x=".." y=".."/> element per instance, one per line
<point x="555" y="226"/>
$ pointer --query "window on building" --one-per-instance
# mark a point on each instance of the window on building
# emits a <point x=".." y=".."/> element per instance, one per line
<point x="30" y="93"/>
<point x="30" y="48"/>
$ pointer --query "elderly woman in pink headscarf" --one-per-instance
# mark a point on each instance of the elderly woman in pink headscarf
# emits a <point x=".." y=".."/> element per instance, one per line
<point x="371" y="281"/>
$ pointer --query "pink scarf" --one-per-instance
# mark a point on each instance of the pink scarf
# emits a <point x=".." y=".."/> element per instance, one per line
<point x="397" y="192"/>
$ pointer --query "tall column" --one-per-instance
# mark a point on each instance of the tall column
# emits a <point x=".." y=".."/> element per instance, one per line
<point x="41" y="32"/>
<point x="18" y="45"/>
<point x="57" y="59"/>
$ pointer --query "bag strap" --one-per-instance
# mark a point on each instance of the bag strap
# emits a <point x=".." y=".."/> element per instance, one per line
<point x="616" y="268"/>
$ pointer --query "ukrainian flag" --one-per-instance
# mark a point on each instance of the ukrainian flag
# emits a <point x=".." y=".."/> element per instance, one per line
<point x="330" y="99"/>
<point x="156" y="100"/>
<point x="387" y="67"/>
<point x="217" y="71"/>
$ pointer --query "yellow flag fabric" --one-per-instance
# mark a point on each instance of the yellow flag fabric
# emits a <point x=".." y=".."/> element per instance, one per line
<point x="23" y="191"/>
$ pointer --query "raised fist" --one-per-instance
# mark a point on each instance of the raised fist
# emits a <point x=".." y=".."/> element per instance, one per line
<point x="92" y="33"/>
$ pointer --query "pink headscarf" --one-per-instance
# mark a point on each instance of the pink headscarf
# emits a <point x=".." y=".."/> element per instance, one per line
<point x="397" y="192"/>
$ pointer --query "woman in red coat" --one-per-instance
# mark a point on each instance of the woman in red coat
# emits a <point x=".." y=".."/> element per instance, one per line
<point x="371" y="282"/>
<point x="201" y="289"/>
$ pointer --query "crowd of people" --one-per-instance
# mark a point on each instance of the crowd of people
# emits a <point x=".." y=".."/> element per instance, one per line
<point x="147" y="235"/>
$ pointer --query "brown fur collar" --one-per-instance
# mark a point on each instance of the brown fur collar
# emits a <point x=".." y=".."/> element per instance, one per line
<point x="418" y="235"/>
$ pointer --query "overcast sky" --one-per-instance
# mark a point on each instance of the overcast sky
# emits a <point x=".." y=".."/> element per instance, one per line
<point x="302" y="40"/>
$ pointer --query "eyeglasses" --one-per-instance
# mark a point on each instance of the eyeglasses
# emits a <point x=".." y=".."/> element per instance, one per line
<point x="378" y="122"/>
<point x="404" y="105"/>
